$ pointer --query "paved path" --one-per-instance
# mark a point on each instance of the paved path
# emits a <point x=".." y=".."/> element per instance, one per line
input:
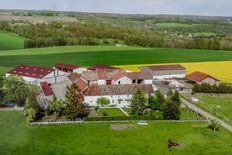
<point x="206" y="114"/>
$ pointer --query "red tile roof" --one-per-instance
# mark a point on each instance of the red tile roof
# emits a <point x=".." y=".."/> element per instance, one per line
<point x="98" y="90"/>
<point x="199" y="76"/>
<point x="139" y="75"/>
<point x="81" y="84"/>
<point x="109" y="74"/>
<point x="46" y="89"/>
<point x="66" y="66"/>
<point x="166" y="67"/>
<point x="99" y="66"/>
<point x="31" y="71"/>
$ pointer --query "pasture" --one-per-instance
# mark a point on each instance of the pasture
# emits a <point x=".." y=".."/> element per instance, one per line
<point x="218" y="104"/>
<point x="10" y="41"/>
<point x="109" y="55"/>
<point x="194" y="138"/>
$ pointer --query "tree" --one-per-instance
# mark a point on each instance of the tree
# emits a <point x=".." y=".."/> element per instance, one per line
<point x="15" y="90"/>
<point x="139" y="102"/>
<point x="170" y="94"/>
<point x="74" y="106"/>
<point x="55" y="107"/>
<point x="31" y="107"/>
<point x="176" y="98"/>
<point x="156" y="102"/>
<point x="103" y="101"/>
<point x="171" y="110"/>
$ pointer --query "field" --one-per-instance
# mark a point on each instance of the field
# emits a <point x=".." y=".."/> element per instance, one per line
<point x="110" y="112"/>
<point x="194" y="138"/>
<point x="173" y="25"/>
<point x="219" y="69"/>
<point x="111" y="55"/>
<point x="10" y="41"/>
<point x="217" y="104"/>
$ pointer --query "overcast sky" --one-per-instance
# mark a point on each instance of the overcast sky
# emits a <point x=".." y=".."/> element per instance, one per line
<point x="183" y="7"/>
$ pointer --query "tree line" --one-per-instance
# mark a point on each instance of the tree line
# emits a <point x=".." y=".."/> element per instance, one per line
<point x="76" y="33"/>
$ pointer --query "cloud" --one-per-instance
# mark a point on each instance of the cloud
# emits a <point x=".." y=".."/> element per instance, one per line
<point x="186" y="7"/>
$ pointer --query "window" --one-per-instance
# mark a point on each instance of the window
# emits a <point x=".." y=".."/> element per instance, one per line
<point x="134" y="81"/>
<point x="119" y="82"/>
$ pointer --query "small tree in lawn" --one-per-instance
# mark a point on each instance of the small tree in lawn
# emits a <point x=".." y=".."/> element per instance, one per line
<point x="74" y="106"/>
<point x="102" y="101"/>
<point x="139" y="102"/>
<point x="171" y="110"/>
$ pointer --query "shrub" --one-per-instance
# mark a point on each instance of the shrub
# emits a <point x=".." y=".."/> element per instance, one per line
<point x="104" y="114"/>
<point x="206" y="88"/>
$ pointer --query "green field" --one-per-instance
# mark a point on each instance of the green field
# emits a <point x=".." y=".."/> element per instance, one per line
<point x="218" y="104"/>
<point x="173" y="25"/>
<point x="10" y="41"/>
<point x="111" y="112"/>
<point x="194" y="138"/>
<point x="109" y="55"/>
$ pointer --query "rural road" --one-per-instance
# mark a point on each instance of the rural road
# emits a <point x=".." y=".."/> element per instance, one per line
<point x="206" y="114"/>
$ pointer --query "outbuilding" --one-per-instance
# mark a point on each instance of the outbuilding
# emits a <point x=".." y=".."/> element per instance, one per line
<point x="199" y="78"/>
<point x="165" y="71"/>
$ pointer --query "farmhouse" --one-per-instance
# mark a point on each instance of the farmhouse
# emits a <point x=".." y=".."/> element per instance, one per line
<point x="68" y="68"/>
<point x="119" y="95"/>
<point x="165" y="71"/>
<point x="199" y="78"/>
<point x="36" y="75"/>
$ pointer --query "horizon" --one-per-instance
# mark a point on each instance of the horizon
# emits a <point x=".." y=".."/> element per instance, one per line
<point x="128" y="7"/>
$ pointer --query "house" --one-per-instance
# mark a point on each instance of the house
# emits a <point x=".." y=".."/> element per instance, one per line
<point x="100" y="66"/>
<point x="140" y="77"/>
<point x="36" y="75"/>
<point x="199" y="78"/>
<point x="165" y="71"/>
<point x="119" y="95"/>
<point x="68" y="68"/>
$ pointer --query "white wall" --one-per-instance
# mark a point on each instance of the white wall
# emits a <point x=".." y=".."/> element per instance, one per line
<point x="80" y="70"/>
<point x="92" y="100"/>
<point x="210" y="81"/>
<point x="101" y="82"/>
<point x="148" y="81"/>
<point x="169" y="76"/>
<point x="123" y="80"/>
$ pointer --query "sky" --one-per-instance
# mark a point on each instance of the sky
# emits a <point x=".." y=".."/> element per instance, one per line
<point x="179" y="7"/>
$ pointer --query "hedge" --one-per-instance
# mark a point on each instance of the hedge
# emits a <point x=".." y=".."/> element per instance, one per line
<point x="118" y="118"/>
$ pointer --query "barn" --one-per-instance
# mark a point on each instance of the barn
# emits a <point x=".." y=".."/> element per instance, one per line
<point x="199" y="78"/>
<point x="36" y="75"/>
<point x="165" y="71"/>
<point x="68" y="68"/>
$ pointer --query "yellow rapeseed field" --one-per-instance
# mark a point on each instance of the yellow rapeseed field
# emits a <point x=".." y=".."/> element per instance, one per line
<point x="221" y="70"/>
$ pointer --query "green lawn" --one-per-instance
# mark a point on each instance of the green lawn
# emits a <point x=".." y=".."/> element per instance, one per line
<point x="10" y="41"/>
<point x="217" y="104"/>
<point x="110" y="112"/>
<point x="195" y="139"/>
<point x="109" y="55"/>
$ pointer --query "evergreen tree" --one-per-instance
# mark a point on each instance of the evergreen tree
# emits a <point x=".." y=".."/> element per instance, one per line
<point x="170" y="94"/>
<point x="176" y="98"/>
<point x="156" y="102"/>
<point x="171" y="110"/>
<point x="139" y="102"/>
<point x="74" y="106"/>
